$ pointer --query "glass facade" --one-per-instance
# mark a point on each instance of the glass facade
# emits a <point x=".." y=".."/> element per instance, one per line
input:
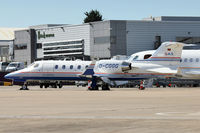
<point x="63" y="48"/>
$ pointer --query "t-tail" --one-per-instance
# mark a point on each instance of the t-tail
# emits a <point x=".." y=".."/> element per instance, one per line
<point x="168" y="53"/>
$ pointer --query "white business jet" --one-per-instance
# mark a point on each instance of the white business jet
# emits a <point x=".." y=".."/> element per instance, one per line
<point x="189" y="67"/>
<point x="164" y="62"/>
<point x="109" y="72"/>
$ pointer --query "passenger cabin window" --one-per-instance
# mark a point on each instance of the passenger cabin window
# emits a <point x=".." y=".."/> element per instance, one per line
<point x="135" y="58"/>
<point x="56" y="66"/>
<point x="63" y="67"/>
<point x="147" y="56"/>
<point x="36" y="65"/>
<point x="197" y="59"/>
<point x="71" y="67"/>
<point x="79" y="67"/>
<point x="191" y="60"/>
<point x="185" y="60"/>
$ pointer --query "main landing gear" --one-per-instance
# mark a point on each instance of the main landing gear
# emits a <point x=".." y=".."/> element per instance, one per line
<point x="53" y="85"/>
<point x="105" y="87"/>
<point x="92" y="85"/>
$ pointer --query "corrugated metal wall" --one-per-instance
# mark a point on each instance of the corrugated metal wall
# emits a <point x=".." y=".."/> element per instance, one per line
<point x="100" y="39"/>
<point x="141" y="34"/>
<point x="22" y="55"/>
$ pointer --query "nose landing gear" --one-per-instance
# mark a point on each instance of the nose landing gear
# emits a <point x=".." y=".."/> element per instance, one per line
<point x="24" y="87"/>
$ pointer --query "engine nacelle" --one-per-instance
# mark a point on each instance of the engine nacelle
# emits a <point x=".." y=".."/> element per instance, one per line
<point x="125" y="66"/>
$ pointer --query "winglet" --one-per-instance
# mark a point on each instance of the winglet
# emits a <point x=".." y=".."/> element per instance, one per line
<point x="90" y="69"/>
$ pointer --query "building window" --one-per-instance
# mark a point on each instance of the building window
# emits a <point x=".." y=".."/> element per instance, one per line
<point x="63" y="48"/>
<point x="113" y="40"/>
<point x="56" y="66"/>
<point x="103" y="40"/>
<point x="20" y="46"/>
<point x="71" y="66"/>
<point x="38" y="45"/>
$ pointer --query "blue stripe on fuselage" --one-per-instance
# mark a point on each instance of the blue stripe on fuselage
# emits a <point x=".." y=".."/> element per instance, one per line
<point x="23" y="79"/>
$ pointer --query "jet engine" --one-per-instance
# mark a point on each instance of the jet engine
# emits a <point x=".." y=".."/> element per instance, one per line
<point x="125" y="66"/>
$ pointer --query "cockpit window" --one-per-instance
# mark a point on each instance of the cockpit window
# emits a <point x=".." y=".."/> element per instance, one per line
<point x="135" y="58"/>
<point x="36" y="65"/>
<point x="147" y="56"/>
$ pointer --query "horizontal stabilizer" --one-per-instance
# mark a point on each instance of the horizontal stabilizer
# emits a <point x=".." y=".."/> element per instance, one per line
<point x="155" y="68"/>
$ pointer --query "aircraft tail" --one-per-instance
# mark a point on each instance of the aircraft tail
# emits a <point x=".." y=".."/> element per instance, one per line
<point x="168" y="52"/>
<point x="90" y="69"/>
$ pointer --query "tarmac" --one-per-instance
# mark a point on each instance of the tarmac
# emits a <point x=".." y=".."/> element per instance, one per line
<point x="121" y="110"/>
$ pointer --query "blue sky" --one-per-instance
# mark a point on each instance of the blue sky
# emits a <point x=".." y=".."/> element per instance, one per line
<point x="24" y="13"/>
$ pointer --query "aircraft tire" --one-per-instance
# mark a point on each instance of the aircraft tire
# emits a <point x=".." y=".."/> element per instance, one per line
<point x="55" y="86"/>
<point x="60" y="85"/>
<point x="24" y="87"/>
<point x="41" y="85"/>
<point x="96" y="88"/>
<point x="105" y="88"/>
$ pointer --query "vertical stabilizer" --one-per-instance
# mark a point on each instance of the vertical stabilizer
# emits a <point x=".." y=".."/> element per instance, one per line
<point x="168" y="51"/>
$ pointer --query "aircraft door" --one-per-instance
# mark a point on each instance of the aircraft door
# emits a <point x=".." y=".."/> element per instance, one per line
<point x="48" y="67"/>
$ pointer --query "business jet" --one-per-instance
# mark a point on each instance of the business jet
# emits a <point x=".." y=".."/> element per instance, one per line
<point x="164" y="62"/>
<point x="186" y="67"/>
<point x="108" y="72"/>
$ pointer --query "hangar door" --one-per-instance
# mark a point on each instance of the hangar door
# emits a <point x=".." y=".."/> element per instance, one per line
<point x="189" y="40"/>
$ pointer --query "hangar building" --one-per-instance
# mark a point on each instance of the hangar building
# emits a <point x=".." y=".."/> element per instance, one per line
<point x="102" y="39"/>
<point x="6" y="43"/>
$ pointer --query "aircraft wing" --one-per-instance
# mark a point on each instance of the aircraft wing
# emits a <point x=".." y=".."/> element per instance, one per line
<point x="163" y="70"/>
<point x="90" y="69"/>
<point x="193" y="72"/>
<point x="107" y="80"/>
<point x="155" y="68"/>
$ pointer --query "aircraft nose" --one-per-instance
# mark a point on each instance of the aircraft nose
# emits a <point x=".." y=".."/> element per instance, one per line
<point x="9" y="76"/>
